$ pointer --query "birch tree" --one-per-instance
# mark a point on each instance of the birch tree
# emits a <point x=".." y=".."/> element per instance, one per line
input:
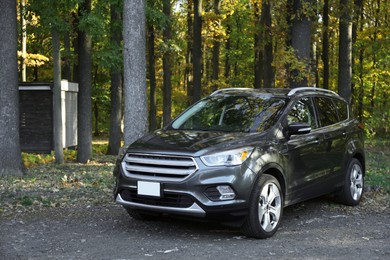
<point x="135" y="101"/>
<point x="10" y="159"/>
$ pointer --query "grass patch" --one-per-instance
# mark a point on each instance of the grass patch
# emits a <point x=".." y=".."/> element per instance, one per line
<point x="378" y="165"/>
<point x="52" y="185"/>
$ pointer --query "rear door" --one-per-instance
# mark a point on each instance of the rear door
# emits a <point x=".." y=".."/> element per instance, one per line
<point x="332" y="113"/>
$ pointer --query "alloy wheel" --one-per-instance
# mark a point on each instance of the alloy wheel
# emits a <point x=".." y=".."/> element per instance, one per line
<point x="270" y="205"/>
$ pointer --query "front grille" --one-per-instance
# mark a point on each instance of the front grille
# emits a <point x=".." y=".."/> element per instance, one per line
<point x="168" y="200"/>
<point x="158" y="167"/>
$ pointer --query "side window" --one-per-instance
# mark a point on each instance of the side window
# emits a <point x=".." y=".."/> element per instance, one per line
<point x="327" y="111"/>
<point x="342" y="109"/>
<point x="302" y="112"/>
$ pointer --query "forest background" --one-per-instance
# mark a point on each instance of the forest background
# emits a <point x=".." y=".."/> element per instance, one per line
<point x="194" y="47"/>
<point x="186" y="50"/>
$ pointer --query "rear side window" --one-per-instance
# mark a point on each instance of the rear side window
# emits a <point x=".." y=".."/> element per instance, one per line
<point x="327" y="111"/>
<point x="342" y="109"/>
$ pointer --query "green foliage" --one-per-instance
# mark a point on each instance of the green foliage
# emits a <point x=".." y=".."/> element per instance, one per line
<point x="154" y="14"/>
<point x="100" y="149"/>
<point x="70" y="155"/>
<point x="30" y="160"/>
<point x="371" y="67"/>
<point x="234" y="24"/>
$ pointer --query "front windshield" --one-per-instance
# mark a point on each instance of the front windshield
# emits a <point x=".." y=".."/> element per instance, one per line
<point x="231" y="114"/>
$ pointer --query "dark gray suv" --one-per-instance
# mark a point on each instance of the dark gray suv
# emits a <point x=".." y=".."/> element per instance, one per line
<point x="241" y="155"/>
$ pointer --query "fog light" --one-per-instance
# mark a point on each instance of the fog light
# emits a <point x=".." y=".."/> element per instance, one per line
<point x="226" y="192"/>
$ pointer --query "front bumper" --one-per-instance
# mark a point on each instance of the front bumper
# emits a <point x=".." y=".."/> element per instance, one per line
<point x="189" y="197"/>
<point x="193" y="210"/>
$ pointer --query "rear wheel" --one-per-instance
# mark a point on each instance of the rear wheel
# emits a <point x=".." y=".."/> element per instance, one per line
<point x="353" y="184"/>
<point x="266" y="208"/>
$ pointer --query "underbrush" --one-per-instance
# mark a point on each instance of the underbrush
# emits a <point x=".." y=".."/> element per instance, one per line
<point x="378" y="165"/>
<point x="70" y="155"/>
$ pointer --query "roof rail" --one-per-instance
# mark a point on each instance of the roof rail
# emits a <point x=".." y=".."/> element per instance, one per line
<point x="227" y="89"/>
<point x="295" y="90"/>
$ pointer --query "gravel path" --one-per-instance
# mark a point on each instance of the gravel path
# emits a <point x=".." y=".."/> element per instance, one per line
<point x="318" y="229"/>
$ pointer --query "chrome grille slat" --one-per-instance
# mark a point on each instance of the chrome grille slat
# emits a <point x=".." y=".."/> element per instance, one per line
<point x="166" y="162"/>
<point x="158" y="167"/>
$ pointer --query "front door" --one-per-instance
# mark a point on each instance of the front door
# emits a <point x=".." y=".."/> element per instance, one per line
<point x="306" y="166"/>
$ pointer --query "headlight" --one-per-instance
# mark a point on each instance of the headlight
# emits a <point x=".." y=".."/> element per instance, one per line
<point x="227" y="158"/>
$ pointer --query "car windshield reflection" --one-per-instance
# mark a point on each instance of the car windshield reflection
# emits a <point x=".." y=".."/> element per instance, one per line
<point x="231" y="114"/>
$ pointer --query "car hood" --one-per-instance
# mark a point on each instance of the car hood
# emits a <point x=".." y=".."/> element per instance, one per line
<point x="193" y="143"/>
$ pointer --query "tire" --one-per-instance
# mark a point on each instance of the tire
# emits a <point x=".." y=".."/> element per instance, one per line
<point x="352" y="191"/>
<point x="140" y="215"/>
<point x="265" y="208"/>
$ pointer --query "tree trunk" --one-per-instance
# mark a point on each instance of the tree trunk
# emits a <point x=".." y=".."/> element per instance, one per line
<point x="75" y="21"/>
<point x="135" y="115"/>
<point x="57" y="109"/>
<point x="10" y="159"/>
<point x="358" y="11"/>
<point x="189" y="54"/>
<point x="269" y="74"/>
<point x="114" y="140"/>
<point x="215" y="59"/>
<point x="300" y="41"/>
<point x="361" y="64"/>
<point x="357" y="15"/>
<point x="84" y="119"/>
<point x="152" y="79"/>
<point x="264" y="74"/>
<point x="361" y="87"/>
<point x="96" y="115"/>
<point x="316" y="57"/>
<point x="345" y="51"/>
<point x="207" y="65"/>
<point x="325" y="44"/>
<point x="197" y="51"/>
<point x="66" y="71"/>
<point x="216" y="50"/>
<point x="24" y="39"/>
<point x="228" y="46"/>
<point x="258" y="38"/>
<point x="374" y="55"/>
<point x="167" y="61"/>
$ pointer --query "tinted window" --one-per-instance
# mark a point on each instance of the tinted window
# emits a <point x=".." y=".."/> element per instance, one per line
<point x="231" y="114"/>
<point x="302" y="112"/>
<point x="342" y="109"/>
<point x="327" y="111"/>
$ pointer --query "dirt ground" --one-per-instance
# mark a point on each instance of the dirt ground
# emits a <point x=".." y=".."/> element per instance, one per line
<point x="317" y="229"/>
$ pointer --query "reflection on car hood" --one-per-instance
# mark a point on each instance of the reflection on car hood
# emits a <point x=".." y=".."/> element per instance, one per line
<point x="186" y="142"/>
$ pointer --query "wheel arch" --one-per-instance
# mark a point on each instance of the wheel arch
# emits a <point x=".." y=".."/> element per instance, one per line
<point x="277" y="172"/>
<point x="360" y="157"/>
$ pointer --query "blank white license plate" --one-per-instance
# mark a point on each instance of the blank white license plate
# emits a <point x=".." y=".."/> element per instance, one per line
<point x="149" y="188"/>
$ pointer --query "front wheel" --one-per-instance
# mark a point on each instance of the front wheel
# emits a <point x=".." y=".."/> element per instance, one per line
<point x="353" y="185"/>
<point x="265" y="209"/>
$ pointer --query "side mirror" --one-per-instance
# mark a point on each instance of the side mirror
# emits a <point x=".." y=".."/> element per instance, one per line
<point x="298" y="128"/>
